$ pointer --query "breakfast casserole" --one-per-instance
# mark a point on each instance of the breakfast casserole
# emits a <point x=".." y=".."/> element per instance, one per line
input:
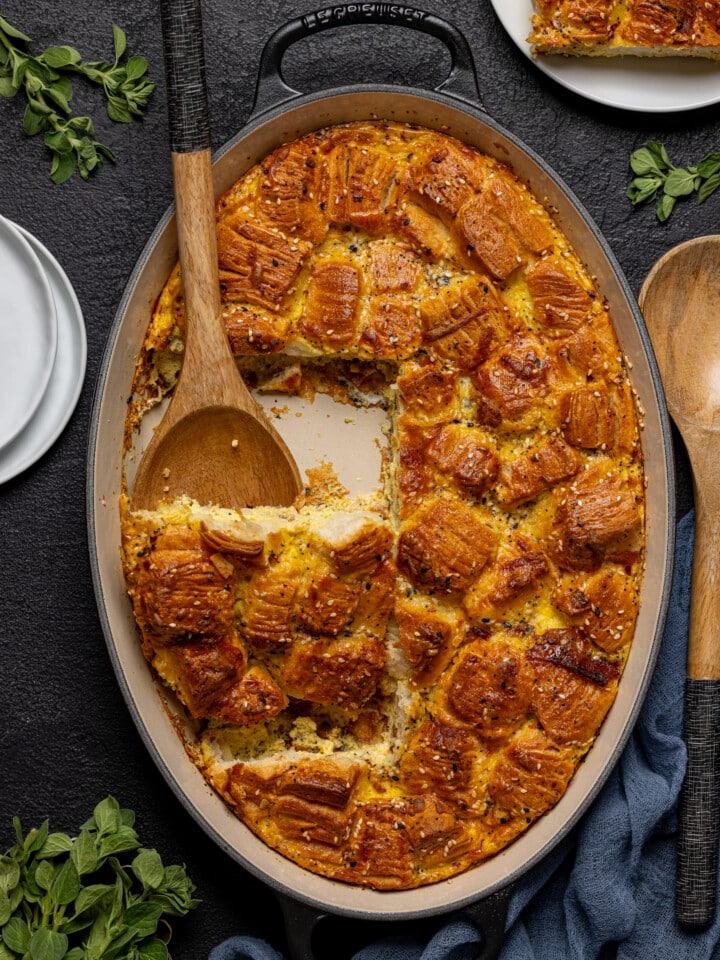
<point x="388" y="688"/>
<point x="607" y="28"/>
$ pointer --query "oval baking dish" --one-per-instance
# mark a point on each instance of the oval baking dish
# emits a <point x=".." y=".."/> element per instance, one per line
<point x="280" y="115"/>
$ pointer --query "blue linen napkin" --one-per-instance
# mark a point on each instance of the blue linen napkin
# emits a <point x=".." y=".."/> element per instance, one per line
<point x="608" y="889"/>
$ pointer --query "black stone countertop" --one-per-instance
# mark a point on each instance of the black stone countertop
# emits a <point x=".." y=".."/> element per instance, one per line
<point x="66" y="736"/>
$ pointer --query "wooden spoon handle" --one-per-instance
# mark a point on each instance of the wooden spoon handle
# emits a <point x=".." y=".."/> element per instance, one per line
<point x="206" y="347"/>
<point x="704" y="639"/>
<point x="207" y="358"/>
<point x="191" y="159"/>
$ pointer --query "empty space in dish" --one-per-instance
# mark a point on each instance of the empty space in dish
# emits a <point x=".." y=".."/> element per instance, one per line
<point x="320" y="432"/>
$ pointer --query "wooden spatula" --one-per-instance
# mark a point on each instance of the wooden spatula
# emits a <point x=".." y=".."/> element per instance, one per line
<point x="214" y="443"/>
<point x="680" y="300"/>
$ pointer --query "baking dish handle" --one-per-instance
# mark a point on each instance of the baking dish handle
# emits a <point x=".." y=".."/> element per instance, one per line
<point x="488" y="915"/>
<point x="272" y="90"/>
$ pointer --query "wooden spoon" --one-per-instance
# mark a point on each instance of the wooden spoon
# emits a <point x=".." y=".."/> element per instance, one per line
<point x="214" y="443"/>
<point x="680" y="300"/>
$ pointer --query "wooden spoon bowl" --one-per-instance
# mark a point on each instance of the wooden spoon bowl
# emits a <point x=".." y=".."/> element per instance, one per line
<point x="680" y="300"/>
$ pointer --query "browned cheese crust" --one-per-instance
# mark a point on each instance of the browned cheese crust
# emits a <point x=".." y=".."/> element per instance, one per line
<point x="607" y="28"/>
<point x="389" y="694"/>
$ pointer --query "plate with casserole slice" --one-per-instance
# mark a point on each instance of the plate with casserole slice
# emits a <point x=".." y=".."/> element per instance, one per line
<point x="639" y="55"/>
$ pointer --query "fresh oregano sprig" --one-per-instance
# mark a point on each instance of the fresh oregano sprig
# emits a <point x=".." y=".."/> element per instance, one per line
<point x="656" y="176"/>
<point x="46" y="82"/>
<point x="127" y="86"/>
<point x="71" y="898"/>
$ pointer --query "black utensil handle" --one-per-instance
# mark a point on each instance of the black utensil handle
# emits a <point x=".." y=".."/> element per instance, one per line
<point x="185" y="75"/>
<point x="488" y="915"/>
<point x="699" y="812"/>
<point x="272" y="89"/>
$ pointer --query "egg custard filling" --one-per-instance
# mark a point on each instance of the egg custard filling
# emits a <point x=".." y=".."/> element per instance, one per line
<point x="389" y="687"/>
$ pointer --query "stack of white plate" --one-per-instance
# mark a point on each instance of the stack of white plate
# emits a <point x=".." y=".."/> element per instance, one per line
<point x="43" y="349"/>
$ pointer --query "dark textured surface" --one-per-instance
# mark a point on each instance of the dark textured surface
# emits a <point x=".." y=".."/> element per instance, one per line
<point x="698" y="821"/>
<point x="66" y="737"/>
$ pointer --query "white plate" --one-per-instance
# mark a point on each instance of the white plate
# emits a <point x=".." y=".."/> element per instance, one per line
<point x="68" y="373"/>
<point x="648" y="84"/>
<point x="28" y="333"/>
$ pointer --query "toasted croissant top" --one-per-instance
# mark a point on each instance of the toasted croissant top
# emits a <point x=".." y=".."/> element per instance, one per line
<point x="391" y="690"/>
<point x="606" y="28"/>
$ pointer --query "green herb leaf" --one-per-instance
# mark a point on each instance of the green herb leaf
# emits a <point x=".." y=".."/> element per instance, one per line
<point x="16" y="935"/>
<point x="152" y="950"/>
<point x="33" y="122"/>
<point x="9" y="874"/>
<point x="12" y="31"/>
<point x="176" y="891"/>
<point x="665" y="207"/>
<point x="118" y="946"/>
<point x="709" y="166"/>
<point x="119" y="42"/>
<point x="5" y="908"/>
<point x="106" y="817"/>
<point x="66" y="884"/>
<point x="118" y="110"/>
<point x="661" y="153"/>
<point x="59" y="57"/>
<point x="91" y="895"/>
<point x="56" y="93"/>
<point x="36" y="838"/>
<point x="679" y="183"/>
<point x="122" y="841"/>
<point x="47" y="944"/>
<point x="44" y="874"/>
<point x="136" y="68"/>
<point x="644" y="189"/>
<point x="62" y="167"/>
<point x="148" y="868"/>
<point x="56" y="844"/>
<point x="7" y="87"/>
<point x="144" y="917"/>
<point x="84" y="853"/>
<point x="644" y="162"/>
<point x="709" y="187"/>
<point x="98" y="934"/>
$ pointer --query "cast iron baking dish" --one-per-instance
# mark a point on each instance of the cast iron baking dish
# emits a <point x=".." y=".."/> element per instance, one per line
<point x="282" y="114"/>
